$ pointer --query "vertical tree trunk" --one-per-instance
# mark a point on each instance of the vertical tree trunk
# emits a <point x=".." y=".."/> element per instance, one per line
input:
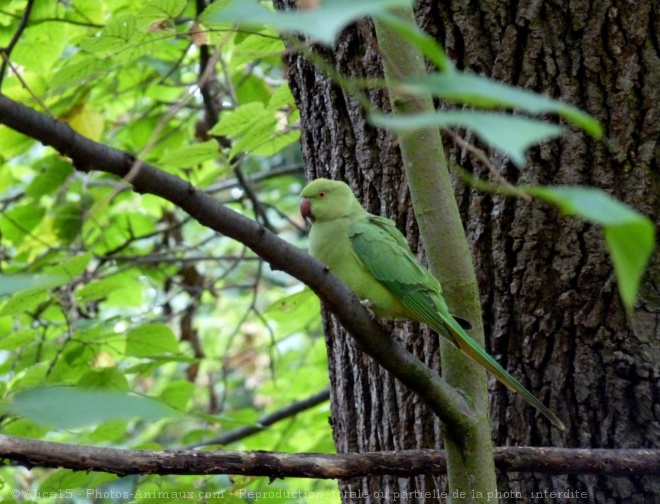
<point x="548" y="289"/>
<point x="551" y="308"/>
<point x="370" y="410"/>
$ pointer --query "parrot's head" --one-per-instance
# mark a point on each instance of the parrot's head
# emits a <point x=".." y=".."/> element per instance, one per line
<point x="327" y="200"/>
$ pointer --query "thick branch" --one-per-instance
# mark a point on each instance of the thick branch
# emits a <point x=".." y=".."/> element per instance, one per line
<point x="88" y="155"/>
<point x="30" y="453"/>
<point x="624" y="462"/>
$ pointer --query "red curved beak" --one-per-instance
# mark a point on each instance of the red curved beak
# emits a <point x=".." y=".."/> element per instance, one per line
<point x="306" y="209"/>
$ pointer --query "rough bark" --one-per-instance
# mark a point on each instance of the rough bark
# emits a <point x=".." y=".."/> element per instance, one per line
<point x="32" y="452"/>
<point x="548" y="289"/>
<point x="370" y="410"/>
<point x="551" y="308"/>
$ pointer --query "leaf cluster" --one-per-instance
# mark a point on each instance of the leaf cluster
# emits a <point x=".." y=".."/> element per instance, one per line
<point x="125" y="321"/>
<point x="122" y="320"/>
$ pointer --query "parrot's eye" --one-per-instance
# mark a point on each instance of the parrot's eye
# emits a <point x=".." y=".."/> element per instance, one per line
<point x="322" y="194"/>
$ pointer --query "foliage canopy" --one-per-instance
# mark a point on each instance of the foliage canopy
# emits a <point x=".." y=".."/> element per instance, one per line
<point x="176" y="333"/>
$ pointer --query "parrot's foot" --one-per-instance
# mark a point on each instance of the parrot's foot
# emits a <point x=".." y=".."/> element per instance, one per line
<point x="368" y="305"/>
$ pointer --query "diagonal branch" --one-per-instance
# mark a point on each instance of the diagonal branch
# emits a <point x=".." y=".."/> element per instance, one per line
<point x="267" y="420"/>
<point x="88" y="155"/>
<point x="6" y="51"/>
<point x="30" y="452"/>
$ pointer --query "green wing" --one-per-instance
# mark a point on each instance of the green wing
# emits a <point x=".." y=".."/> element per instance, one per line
<point x="384" y="252"/>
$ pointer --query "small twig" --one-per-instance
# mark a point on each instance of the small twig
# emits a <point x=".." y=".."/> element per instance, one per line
<point x="17" y="73"/>
<point x="481" y="155"/>
<point x="153" y="139"/>
<point x="302" y="229"/>
<point x="167" y="258"/>
<point x="266" y="421"/>
<point x="167" y="74"/>
<point x="211" y="111"/>
<point x="229" y="85"/>
<point x="230" y="184"/>
<point x="457" y="138"/>
<point x="257" y="207"/>
<point x="6" y="51"/>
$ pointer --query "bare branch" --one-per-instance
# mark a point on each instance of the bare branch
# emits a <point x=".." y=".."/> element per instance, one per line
<point x="6" y="51"/>
<point x="30" y="452"/>
<point x="481" y="156"/>
<point x="257" y="207"/>
<point x="168" y="258"/>
<point x="267" y="420"/>
<point x="613" y="462"/>
<point x="88" y="155"/>
<point x="294" y="169"/>
<point x="211" y="108"/>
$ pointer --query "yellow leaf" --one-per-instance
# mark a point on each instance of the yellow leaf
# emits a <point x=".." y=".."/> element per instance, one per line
<point x="86" y="120"/>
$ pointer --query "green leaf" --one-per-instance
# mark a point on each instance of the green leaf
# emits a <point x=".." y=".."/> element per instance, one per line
<point x="178" y="393"/>
<point x="122" y="40"/>
<point x="73" y="267"/>
<point x="78" y="70"/>
<point x="257" y="46"/>
<point x="109" y="378"/>
<point x="233" y="124"/>
<point x="63" y="480"/>
<point x="295" y="311"/>
<point x="250" y="88"/>
<point x="151" y="340"/>
<point x="280" y="98"/>
<point x="157" y="11"/>
<point x="52" y="178"/>
<point x="10" y="284"/>
<point x="70" y="407"/>
<point x="12" y="142"/>
<point x="631" y="246"/>
<point x="17" y="223"/>
<point x="24" y="427"/>
<point x="322" y="23"/>
<point x="68" y="221"/>
<point x="275" y="144"/>
<point x="20" y="338"/>
<point x="131" y="293"/>
<point x="420" y="39"/>
<point x="117" y="33"/>
<point x="31" y="376"/>
<point x="630" y="236"/>
<point x="109" y="431"/>
<point x="511" y="134"/>
<point x="471" y="89"/>
<point x="138" y="223"/>
<point x="99" y="289"/>
<point x="24" y="301"/>
<point x="190" y="155"/>
<point x="23" y="90"/>
<point x="255" y="133"/>
<point x="41" y="45"/>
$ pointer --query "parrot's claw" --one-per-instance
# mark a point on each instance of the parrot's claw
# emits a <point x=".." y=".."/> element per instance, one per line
<point x="368" y="305"/>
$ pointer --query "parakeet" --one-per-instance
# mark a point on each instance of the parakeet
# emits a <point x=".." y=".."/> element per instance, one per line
<point x="371" y="256"/>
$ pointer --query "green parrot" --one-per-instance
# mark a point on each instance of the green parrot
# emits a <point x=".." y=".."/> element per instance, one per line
<point x="371" y="256"/>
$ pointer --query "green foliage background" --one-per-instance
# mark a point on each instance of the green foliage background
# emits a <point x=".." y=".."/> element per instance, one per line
<point x="124" y="322"/>
<point x="125" y="293"/>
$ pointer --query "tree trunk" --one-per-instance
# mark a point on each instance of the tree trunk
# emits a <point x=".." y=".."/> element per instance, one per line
<point x="551" y="308"/>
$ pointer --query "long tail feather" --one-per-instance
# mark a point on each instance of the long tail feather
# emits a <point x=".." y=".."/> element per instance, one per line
<point x="472" y="349"/>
